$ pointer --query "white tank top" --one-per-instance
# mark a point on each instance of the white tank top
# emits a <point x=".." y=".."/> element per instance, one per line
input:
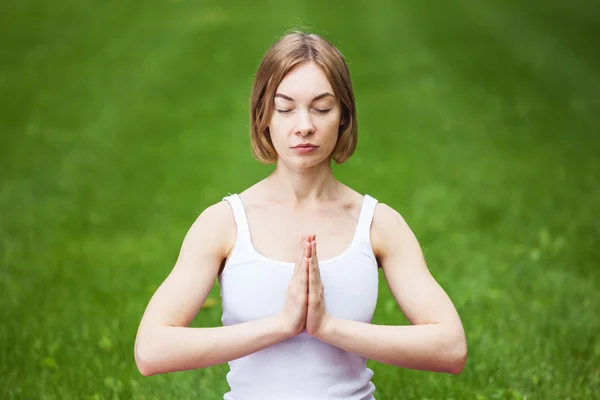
<point x="253" y="287"/>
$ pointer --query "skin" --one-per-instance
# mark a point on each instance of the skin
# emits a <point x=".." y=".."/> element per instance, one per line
<point x="298" y="202"/>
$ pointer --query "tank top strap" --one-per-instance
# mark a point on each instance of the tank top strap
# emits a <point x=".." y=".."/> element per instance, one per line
<point x="239" y="213"/>
<point x="363" y="228"/>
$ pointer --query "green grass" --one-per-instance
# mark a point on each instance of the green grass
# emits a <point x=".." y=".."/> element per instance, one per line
<point x="121" y="121"/>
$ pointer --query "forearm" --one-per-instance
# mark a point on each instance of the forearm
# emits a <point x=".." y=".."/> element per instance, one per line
<point x="432" y="347"/>
<point x="169" y="348"/>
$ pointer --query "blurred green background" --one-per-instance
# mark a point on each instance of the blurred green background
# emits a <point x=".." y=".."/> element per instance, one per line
<point x="120" y="121"/>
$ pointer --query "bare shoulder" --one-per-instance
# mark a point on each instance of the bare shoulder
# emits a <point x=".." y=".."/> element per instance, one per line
<point x="386" y="217"/>
<point x="216" y="226"/>
<point x="217" y="217"/>
<point x="389" y="228"/>
<point x="219" y="212"/>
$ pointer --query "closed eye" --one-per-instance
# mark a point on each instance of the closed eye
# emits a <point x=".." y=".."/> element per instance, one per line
<point x="320" y="111"/>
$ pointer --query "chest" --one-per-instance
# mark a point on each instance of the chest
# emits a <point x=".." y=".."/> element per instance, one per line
<point x="276" y="232"/>
<point x="258" y="289"/>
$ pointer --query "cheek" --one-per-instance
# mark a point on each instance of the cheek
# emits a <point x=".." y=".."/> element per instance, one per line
<point x="278" y="131"/>
<point x="334" y="117"/>
<point x="277" y="126"/>
<point x="331" y="123"/>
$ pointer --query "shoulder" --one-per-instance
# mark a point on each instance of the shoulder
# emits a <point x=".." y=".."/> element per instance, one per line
<point x="386" y="217"/>
<point x="215" y="224"/>
<point x="218" y="215"/>
<point x="388" y="229"/>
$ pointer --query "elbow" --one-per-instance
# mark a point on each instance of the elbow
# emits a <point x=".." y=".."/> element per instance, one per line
<point x="457" y="365"/>
<point x="458" y="357"/>
<point x="144" y="367"/>
<point x="144" y="360"/>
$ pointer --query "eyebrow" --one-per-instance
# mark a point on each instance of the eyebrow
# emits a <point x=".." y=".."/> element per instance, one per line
<point x="319" y="97"/>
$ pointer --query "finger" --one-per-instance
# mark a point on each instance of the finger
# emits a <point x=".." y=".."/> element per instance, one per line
<point x="304" y="279"/>
<point x="306" y="254"/>
<point x="303" y="244"/>
<point x="313" y="286"/>
<point x="310" y="289"/>
<point x="312" y="277"/>
<point x="303" y="271"/>
<point x="315" y="261"/>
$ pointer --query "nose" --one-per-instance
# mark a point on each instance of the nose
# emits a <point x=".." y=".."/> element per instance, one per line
<point x="304" y="125"/>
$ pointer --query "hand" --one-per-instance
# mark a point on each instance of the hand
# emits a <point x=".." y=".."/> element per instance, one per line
<point x="317" y="316"/>
<point x="294" y="311"/>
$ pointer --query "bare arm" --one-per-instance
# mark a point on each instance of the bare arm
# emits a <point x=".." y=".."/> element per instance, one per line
<point x="435" y="341"/>
<point x="164" y="342"/>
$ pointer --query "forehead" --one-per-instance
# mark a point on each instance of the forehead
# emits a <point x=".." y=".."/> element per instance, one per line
<point x="305" y="81"/>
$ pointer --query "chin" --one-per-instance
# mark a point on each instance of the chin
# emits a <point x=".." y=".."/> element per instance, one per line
<point x="305" y="162"/>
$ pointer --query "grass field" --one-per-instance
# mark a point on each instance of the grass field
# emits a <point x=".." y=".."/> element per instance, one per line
<point x="121" y="121"/>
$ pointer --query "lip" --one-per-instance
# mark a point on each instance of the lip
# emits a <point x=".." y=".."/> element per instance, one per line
<point x="305" y="148"/>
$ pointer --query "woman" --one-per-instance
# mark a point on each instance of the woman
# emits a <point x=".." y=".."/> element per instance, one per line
<point x="297" y="258"/>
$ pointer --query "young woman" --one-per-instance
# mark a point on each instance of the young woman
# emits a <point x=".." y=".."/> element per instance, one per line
<point x="297" y="257"/>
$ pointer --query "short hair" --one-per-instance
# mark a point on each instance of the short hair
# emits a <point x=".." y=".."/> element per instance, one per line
<point x="293" y="49"/>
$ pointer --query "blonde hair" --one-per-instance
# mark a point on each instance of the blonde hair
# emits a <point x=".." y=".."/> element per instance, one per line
<point x="291" y="50"/>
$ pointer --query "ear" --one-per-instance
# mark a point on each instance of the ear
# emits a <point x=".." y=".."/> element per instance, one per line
<point x="343" y="118"/>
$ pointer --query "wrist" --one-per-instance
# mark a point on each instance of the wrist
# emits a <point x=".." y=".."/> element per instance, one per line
<point x="283" y="327"/>
<point x="327" y="327"/>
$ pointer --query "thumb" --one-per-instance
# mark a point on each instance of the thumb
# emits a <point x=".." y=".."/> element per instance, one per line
<point x="302" y="241"/>
<point x="301" y="251"/>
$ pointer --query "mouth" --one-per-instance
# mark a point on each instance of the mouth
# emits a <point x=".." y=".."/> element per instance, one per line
<point x="305" y="148"/>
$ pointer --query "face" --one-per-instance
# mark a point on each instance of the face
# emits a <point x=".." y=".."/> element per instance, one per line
<point x="306" y="117"/>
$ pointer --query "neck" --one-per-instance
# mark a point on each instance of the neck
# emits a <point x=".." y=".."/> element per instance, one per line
<point x="302" y="187"/>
